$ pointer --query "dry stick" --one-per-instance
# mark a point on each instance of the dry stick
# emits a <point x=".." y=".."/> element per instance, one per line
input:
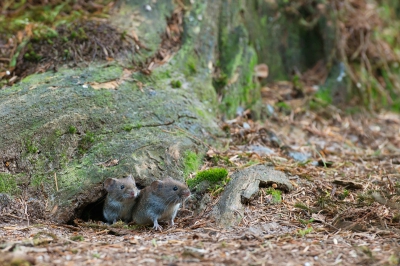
<point x="197" y="225"/>
<point x="26" y="211"/>
<point x="14" y="216"/>
<point x="24" y="204"/>
<point x="55" y="179"/>
<point x="159" y="125"/>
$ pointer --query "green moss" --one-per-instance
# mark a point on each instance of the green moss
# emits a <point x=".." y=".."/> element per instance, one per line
<point x="72" y="130"/>
<point x="221" y="159"/>
<point x="162" y="74"/>
<point x="31" y="147"/>
<point x="231" y="45"/>
<point x="306" y="222"/>
<point x="191" y="65"/>
<point x="31" y="55"/>
<point x="396" y="106"/>
<point x="8" y="184"/>
<point x="176" y="84"/>
<point x="303" y="232"/>
<point x="324" y="95"/>
<point x="37" y="180"/>
<point x="105" y="74"/>
<point x="321" y="99"/>
<point x="297" y="82"/>
<point x="191" y="163"/>
<point x="86" y="142"/>
<point x="250" y="163"/>
<point x="344" y="195"/>
<point x="77" y="238"/>
<point x="235" y="81"/>
<point x="58" y="133"/>
<point x="200" y="113"/>
<point x="393" y="259"/>
<point x="283" y="106"/>
<point x="128" y="127"/>
<point x="89" y="137"/>
<point x="276" y="195"/>
<point x="75" y="177"/>
<point x="213" y="175"/>
<point x="82" y="34"/>
<point x="103" y="98"/>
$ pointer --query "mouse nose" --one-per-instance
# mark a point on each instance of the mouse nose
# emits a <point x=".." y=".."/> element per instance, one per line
<point x="186" y="193"/>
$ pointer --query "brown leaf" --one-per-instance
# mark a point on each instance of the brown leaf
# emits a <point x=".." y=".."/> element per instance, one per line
<point x="261" y="71"/>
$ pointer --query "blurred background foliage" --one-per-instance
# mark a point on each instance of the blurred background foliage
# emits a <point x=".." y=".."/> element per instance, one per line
<point x="349" y="48"/>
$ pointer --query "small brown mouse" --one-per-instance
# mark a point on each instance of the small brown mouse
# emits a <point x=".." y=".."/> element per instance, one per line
<point x="121" y="197"/>
<point x="159" y="201"/>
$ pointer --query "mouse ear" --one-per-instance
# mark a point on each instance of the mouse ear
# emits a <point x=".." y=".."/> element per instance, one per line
<point x="130" y="177"/>
<point x="156" y="184"/>
<point x="109" y="183"/>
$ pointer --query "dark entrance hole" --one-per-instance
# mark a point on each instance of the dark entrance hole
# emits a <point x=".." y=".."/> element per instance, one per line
<point x="93" y="210"/>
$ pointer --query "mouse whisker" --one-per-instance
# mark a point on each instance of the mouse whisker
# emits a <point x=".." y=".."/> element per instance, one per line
<point x="170" y="200"/>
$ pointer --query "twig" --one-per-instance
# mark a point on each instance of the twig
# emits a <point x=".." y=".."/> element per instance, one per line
<point x="55" y="179"/>
<point x="14" y="216"/>
<point x="159" y="125"/>
<point x="26" y="211"/>
<point x="197" y="225"/>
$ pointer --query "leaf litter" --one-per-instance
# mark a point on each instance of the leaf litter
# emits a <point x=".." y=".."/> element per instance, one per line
<point x="345" y="212"/>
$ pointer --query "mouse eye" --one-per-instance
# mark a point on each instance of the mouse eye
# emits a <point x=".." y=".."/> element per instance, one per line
<point x="175" y="188"/>
<point x="122" y="187"/>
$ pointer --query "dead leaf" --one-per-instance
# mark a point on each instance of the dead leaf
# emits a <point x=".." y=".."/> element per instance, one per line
<point x="112" y="85"/>
<point x="318" y="217"/>
<point x="261" y="71"/>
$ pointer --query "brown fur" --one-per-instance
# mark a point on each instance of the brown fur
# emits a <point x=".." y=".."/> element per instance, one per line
<point x="159" y="201"/>
<point x="121" y="197"/>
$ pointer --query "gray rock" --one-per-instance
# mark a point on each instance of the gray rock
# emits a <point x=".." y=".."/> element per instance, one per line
<point x="205" y="200"/>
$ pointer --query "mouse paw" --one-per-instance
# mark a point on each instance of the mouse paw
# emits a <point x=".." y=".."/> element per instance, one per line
<point x="157" y="226"/>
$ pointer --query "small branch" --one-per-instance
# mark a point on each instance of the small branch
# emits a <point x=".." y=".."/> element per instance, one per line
<point x="159" y="125"/>
<point x="14" y="216"/>
<point x="55" y="179"/>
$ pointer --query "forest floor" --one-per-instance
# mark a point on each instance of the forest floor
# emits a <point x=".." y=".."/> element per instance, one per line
<point x="343" y="210"/>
